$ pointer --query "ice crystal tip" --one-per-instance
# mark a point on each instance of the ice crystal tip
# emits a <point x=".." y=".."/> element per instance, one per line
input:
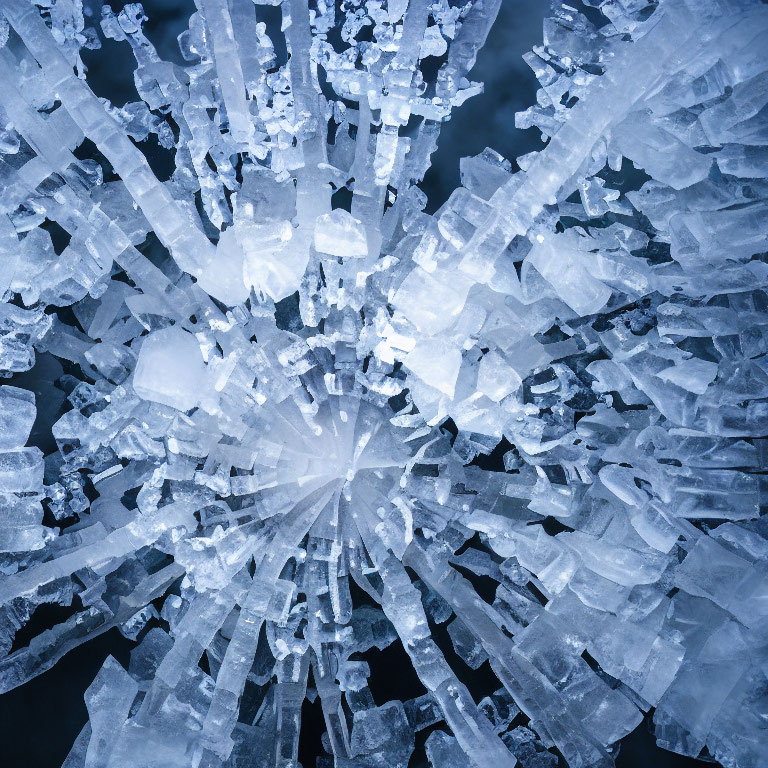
<point x="285" y="418"/>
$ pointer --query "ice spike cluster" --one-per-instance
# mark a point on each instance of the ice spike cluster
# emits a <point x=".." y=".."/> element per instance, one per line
<point x="305" y="420"/>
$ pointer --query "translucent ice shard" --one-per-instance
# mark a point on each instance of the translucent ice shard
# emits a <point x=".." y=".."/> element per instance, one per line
<point x="170" y="369"/>
<point x="21" y="475"/>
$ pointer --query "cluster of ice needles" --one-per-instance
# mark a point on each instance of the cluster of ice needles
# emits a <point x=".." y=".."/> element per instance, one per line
<point x="306" y="420"/>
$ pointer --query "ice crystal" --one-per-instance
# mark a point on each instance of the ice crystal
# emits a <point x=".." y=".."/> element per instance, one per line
<point x="307" y="419"/>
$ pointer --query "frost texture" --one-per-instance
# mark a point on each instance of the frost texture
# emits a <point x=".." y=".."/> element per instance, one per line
<point x="309" y="420"/>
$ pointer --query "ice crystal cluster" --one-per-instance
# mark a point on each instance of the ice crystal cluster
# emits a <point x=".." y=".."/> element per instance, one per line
<point x="307" y="420"/>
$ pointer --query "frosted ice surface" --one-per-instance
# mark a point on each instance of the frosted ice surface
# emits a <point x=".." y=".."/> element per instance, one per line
<point x="170" y="369"/>
<point x="340" y="234"/>
<point x="17" y="415"/>
<point x="520" y="440"/>
<point x="436" y="363"/>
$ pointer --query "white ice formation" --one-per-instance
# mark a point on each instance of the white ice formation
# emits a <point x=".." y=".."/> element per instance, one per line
<point x="308" y="419"/>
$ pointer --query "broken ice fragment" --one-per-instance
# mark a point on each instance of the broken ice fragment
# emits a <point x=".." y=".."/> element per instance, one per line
<point x="435" y="362"/>
<point x="273" y="261"/>
<point x="17" y="415"/>
<point x="170" y="369"/>
<point x="21" y="470"/>
<point x="339" y="234"/>
<point x="693" y="374"/>
<point x="564" y="269"/>
<point x="495" y="378"/>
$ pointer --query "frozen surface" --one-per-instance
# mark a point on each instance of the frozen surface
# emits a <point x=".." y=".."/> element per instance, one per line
<point x="307" y="420"/>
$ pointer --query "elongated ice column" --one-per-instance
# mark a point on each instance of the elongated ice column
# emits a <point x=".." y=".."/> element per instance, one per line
<point x="517" y="445"/>
<point x="21" y="475"/>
